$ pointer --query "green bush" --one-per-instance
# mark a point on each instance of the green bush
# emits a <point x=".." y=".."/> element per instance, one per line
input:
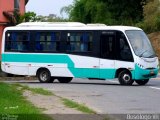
<point x="151" y="13"/>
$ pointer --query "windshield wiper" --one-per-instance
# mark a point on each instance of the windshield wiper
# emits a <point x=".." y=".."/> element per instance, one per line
<point x="153" y="56"/>
<point x="143" y="53"/>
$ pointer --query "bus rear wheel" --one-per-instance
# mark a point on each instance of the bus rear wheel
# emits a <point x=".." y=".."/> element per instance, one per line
<point x="44" y="76"/>
<point x="65" y="79"/>
<point x="125" y="78"/>
<point x="142" y="82"/>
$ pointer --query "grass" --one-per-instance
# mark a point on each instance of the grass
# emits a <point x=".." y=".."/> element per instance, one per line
<point x="12" y="102"/>
<point x="40" y="91"/>
<point x="77" y="106"/>
<point x="19" y="100"/>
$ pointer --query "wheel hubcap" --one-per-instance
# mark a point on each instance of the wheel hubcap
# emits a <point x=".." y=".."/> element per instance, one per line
<point x="126" y="77"/>
<point x="43" y="76"/>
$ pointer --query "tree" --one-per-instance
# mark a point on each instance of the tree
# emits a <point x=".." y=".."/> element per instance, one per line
<point x="152" y="16"/>
<point x="50" y="18"/>
<point x="124" y="12"/>
<point x="30" y="17"/>
<point x="27" y="17"/>
<point x="66" y="9"/>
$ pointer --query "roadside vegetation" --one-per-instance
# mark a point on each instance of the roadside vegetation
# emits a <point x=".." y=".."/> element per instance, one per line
<point x="141" y="13"/>
<point x="13" y="103"/>
<point x="40" y="91"/>
<point x="77" y="106"/>
<point x="66" y="102"/>
<point x="151" y="16"/>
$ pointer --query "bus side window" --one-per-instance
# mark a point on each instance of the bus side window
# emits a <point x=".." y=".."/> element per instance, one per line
<point x="123" y="49"/>
<point x="38" y="44"/>
<point x="79" y="42"/>
<point x="8" y="41"/>
<point x="73" y="42"/>
<point x="17" y="41"/>
<point x="85" y="42"/>
<point x="23" y="41"/>
<point x="47" y="41"/>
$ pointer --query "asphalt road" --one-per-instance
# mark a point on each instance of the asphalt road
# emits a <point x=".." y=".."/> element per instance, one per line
<point x="108" y="97"/>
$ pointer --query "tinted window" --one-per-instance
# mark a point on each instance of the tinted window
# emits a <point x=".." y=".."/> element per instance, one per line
<point x="107" y="45"/>
<point x="17" y="41"/>
<point x="47" y="41"/>
<point x="79" y="42"/>
<point x="123" y="50"/>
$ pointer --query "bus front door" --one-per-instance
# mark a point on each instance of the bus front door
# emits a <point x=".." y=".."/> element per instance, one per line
<point x="107" y="54"/>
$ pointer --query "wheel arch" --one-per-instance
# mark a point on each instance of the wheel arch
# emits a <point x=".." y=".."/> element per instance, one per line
<point x="42" y="68"/>
<point x="118" y="71"/>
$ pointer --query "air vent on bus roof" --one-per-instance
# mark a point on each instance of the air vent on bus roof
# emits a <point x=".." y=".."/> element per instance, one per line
<point x="51" y="24"/>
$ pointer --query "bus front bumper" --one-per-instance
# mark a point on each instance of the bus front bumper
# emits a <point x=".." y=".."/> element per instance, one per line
<point x="140" y="73"/>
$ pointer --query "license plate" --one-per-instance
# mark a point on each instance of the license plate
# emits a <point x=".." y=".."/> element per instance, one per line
<point x="151" y="72"/>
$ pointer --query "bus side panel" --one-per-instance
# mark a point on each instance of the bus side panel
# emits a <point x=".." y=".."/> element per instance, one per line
<point x="107" y="69"/>
<point x="84" y="67"/>
<point x="65" y="65"/>
<point x="16" y="68"/>
<point x="3" y="63"/>
<point x="12" y="66"/>
<point x="126" y="65"/>
<point x="60" y="70"/>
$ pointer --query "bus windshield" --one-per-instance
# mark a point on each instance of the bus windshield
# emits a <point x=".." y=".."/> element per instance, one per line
<point x="140" y="43"/>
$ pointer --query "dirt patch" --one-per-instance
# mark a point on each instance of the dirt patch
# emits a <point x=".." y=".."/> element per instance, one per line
<point x="53" y="107"/>
<point x="49" y="104"/>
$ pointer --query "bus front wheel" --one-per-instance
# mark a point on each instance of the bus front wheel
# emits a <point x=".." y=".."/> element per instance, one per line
<point x="125" y="78"/>
<point x="65" y="79"/>
<point x="44" y="76"/>
<point x="142" y="82"/>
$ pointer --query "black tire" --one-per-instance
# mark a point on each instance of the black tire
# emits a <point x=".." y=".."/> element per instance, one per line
<point x="65" y="79"/>
<point x="142" y="82"/>
<point x="52" y="79"/>
<point x="44" y="76"/>
<point x="125" y="78"/>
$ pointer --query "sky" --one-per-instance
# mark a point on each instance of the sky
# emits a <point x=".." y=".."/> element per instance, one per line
<point x="46" y="7"/>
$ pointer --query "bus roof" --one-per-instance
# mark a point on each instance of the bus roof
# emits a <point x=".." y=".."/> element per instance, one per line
<point x="67" y="26"/>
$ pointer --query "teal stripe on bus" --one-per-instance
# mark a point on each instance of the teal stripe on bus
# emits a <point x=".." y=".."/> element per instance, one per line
<point x="60" y="58"/>
<point x="37" y="58"/>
